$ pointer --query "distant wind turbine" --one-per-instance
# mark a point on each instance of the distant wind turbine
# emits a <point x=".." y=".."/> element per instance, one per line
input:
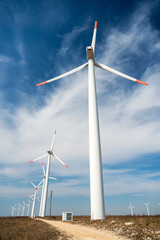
<point x="131" y="207"/>
<point x="146" y="204"/>
<point x="36" y="188"/>
<point x="42" y="194"/>
<point x="13" y="209"/>
<point x="96" y="178"/>
<point x="49" y="154"/>
<point x="28" y="207"/>
<point x="18" y="209"/>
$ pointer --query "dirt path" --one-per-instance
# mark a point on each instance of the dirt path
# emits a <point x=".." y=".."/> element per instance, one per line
<point x="81" y="232"/>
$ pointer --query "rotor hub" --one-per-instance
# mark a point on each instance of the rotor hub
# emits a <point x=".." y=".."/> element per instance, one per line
<point x="89" y="51"/>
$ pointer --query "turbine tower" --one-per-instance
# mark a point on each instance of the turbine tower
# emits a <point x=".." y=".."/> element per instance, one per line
<point x="96" y="178"/>
<point x="146" y="204"/>
<point x="131" y="207"/>
<point x="49" y="154"/>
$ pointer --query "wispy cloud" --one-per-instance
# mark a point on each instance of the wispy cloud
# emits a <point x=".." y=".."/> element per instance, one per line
<point x="5" y="59"/>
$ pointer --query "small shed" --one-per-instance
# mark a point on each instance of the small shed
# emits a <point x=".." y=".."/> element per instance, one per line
<point x="67" y="216"/>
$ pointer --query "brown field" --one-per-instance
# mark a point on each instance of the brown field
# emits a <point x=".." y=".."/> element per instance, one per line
<point x="24" y="228"/>
<point x="143" y="227"/>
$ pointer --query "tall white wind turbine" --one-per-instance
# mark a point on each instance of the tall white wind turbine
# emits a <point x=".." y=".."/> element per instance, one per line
<point x="96" y="178"/>
<point x="49" y="154"/>
<point x="131" y="207"/>
<point x="146" y="204"/>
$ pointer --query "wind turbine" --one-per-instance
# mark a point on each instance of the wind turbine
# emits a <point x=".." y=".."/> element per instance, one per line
<point x="23" y="208"/>
<point x="28" y="207"/>
<point x="19" y="208"/>
<point x="131" y="207"/>
<point x="42" y="194"/>
<point x="146" y="204"/>
<point x="49" y="154"/>
<point x="96" y="178"/>
<point x="35" y="196"/>
<point x="25" y="205"/>
<point x="13" y="209"/>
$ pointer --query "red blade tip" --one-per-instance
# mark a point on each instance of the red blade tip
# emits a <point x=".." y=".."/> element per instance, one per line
<point x="66" y="166"/>
<point x="95" y="26"/>
<point x="55" y="131"/>
<point x="39" y="84"/>
<point x="57" y="179"/>
<point x="141" y="82"/>
<point x="30" y="161"/>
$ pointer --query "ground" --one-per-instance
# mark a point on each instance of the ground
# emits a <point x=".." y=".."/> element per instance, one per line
<point x="142" y="228"/>
<point x="23" y="228"/>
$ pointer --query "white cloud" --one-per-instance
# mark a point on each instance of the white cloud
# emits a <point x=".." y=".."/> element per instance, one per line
<point x="5" y="59"/>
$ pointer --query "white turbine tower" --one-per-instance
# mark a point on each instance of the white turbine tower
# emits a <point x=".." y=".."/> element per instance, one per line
<point x="96" y="178"/>
<point x="146" y="204"/>
<point x="131" y="207"/>
<point x="49" y="154"/>
<point x="42" y="194"/>
<point x="36" y="188"/>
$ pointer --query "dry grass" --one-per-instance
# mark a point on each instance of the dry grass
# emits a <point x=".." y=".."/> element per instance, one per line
<point x="23" y="228"/>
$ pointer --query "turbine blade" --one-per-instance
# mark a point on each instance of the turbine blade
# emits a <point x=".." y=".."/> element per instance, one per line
<point x="53" y="178"/>
<point x="60" y="160"/>
<point x="65" y="74"/>
<point x="40" y="183"/>
<point x="100" y="65"/>
<point x="32" y="184"/>
<point x="38" y="158"/>
<point x="43" y="170"/>
<point x="53" y="141"/>
<point x="94" y="36"/>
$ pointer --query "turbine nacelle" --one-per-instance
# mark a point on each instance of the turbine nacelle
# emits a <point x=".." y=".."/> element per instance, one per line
<point x="50" y="152"/>
<point x="90" y="53"/>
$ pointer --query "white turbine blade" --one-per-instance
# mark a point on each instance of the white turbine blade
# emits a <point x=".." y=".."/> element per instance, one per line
<point x="65" y="74"/>
<point x="40" y="183"/>
<point x="53" y="140"/>
<point x="60" y="160"/>
<point x="36" y="159"/>
<point x="43" y="170"/>
<point x="53" y="178"/>
<point x="100" y="65"/>
<point x="94" y="36"/>
<point x="32" y="184"/>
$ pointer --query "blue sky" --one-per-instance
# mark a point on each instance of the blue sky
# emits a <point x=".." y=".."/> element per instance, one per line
<point x="42" y="39"/>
